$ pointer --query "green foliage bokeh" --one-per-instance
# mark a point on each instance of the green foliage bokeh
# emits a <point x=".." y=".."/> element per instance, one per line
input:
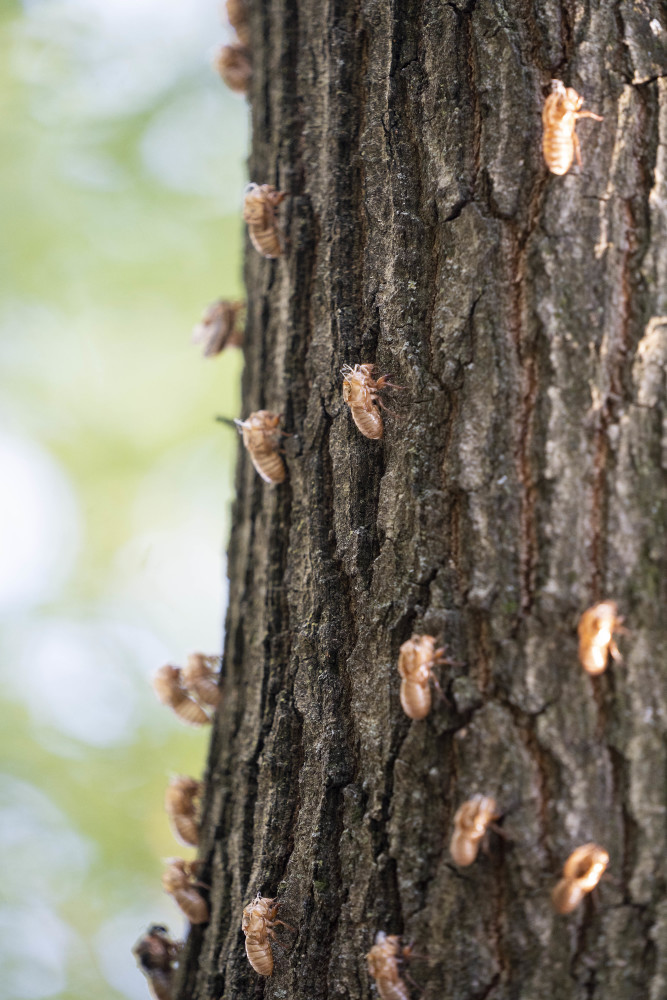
<point x="107" y="261"/>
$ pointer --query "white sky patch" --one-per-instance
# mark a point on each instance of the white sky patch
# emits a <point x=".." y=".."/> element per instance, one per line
<point x="93" y="170"/>
<point x="187" y="485"/>
<point x="49" y="860"/>
<point x="39" y="524"/>
<point x="169" y="570"/>
<point x="74" y="677"/>
<point x="114" y="57"/>
<point x="187" y="147"/>
<point x="33" y="959"/>
<point x="175" y="578"/>
<point x="97" y="63"/>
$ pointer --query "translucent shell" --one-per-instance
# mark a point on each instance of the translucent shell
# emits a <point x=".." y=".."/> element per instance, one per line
<point x="259" y="919"/>
<point x="201" y="675"/>
<point x="596" y="636"/>
<point x="581" y="873"/>
<point x="178" y="881"/>
<point x="218" y="327"/>
<point x="360" y="392"/>
<point x="471" y="822"/>
<point x="168" y="686"/>
<point x="559" y="118"/>
<point x="383" y="965"/>
<point x="181" y="802"/>
<point x="259" y="211"/>
<point x="261" y="437"/>
<point x="234" y="65"/>
<point x="416" y="660"/>
<point x="156" y="953"/>
<point x="237" y="14"/>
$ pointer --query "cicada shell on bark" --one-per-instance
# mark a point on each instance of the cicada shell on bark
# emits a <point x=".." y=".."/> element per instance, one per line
<point x="471" y="822"/>
<point x="596" y="636"/>
<point x="234" y="66"/>
<point x="383" y="965"/>
<point x="219" y="327"/>
<point x="182" y="805"/>
<point x="261" y="436"/>
<point x="361" y="392"/>
<point x="581" y="873"/>
<point x="178" y="880"/>
<point x="259" y="211"/>
<point x="201" y="674"/>
<point x="559" y="117"/>
<point x="156" y="953"/>
<point x="168" y="686"/>
<point x="237" y="13"/>
<point x="417" y="658"/>
<point x="259" y="919"/>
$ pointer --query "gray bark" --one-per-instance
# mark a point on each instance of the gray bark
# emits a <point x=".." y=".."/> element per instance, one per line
<point x="523" y="477"/>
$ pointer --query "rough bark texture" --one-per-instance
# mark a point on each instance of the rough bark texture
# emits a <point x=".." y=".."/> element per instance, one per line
<point x="523" y="477"/>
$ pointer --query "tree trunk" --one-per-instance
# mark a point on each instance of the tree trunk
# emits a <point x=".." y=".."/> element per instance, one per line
<point x="521" y="479"/>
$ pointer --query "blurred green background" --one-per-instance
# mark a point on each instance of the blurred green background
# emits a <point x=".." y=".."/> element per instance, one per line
<point x="122" y="172"/>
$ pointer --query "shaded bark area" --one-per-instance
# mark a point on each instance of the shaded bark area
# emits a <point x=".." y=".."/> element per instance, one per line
<point x="523" y="477"/>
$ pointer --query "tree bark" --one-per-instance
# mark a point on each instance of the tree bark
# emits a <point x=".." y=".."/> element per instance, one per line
<point x="522" y="478"/>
